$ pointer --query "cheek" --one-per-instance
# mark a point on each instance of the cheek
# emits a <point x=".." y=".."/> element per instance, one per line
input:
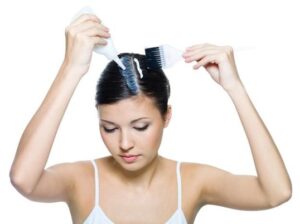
<point x="152" y="138"/>
<point x="108" y="140"/>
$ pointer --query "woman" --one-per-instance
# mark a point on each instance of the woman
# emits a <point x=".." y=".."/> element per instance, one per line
<point x="135" y="184"/>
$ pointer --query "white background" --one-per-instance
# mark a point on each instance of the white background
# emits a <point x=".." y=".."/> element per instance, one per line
<point x="205" y="127"/>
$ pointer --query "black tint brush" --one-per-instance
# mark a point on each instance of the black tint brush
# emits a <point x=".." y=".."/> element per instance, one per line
<point x="163" y="56"/>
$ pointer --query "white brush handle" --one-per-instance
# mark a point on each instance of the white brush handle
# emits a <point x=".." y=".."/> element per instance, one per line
<point x="171" y="55"/>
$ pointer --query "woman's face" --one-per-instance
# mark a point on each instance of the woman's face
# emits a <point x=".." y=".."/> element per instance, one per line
<point x="132" y="130"/>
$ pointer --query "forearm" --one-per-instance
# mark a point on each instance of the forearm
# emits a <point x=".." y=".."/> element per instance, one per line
<point x="37" y="139"/>
<point x="271" y="172"/>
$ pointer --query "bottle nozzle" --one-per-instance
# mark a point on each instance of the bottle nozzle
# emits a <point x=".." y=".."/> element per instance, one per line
<point x="110" y="52"/>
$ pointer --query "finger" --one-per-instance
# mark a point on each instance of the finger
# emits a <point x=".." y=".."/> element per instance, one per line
<point x="199" y="46"/>
<point x="85" y="17"/>
<point x="98" y="41"/>
<point x="192" y="51"/>
<point x="89" y="28"/>
<point x="88" y="25"/>
<point x="96" y="31"/>
<point x="210" y="59"/>
<point x="198" y="55"/>
<point x="193" y="47"/>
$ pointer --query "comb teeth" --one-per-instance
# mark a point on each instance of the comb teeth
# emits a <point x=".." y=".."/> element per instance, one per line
<point x="129" y="74"/>
<point x="155" y="57"/>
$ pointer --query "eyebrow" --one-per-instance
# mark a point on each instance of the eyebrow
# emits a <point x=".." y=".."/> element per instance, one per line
<point x="133" y="121"/>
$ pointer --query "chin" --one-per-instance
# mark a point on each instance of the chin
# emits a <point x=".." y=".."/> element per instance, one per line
<point x="132" y="165"/>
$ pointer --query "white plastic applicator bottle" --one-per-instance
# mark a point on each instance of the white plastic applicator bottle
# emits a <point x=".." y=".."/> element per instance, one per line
<point x="108" y="50"/>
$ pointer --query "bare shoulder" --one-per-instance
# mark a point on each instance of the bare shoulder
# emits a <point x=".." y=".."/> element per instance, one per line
<point x="220" y="187"/>
<point x="71" y="172"/>
<point x="70" y="169"/>
<point x="79" y="176"/>
<point x="197" y="177"/>
<point x="59" y="182"/>
<point x="78" y="171"/>
<point x="194" y="171"/>
<point x="190" y="170"/>
<point x="203" y="175"/>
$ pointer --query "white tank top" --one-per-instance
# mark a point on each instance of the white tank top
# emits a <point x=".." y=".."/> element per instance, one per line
<point x="97" y="215"/>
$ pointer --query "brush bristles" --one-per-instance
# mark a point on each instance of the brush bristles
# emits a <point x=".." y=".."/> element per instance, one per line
<point x="155" y="57"/>
<point x="163" y="56"/>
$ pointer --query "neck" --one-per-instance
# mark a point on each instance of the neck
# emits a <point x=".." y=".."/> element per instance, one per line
<point x="140" y="179"/>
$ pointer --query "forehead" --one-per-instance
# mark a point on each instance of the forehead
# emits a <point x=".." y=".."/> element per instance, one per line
<point x="129" y="109"/>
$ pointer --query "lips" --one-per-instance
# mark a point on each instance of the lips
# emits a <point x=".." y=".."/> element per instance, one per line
<point x="129" y="158"/>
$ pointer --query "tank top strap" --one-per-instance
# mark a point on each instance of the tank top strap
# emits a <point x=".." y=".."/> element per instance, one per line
<point x="178" y="184"/>
<point x="96" y="182"/>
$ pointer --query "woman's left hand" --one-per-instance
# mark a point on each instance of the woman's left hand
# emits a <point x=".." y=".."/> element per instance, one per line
<point x="218" y="61"/>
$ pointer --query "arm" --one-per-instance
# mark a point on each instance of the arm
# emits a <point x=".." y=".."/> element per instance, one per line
<point x="272" y="185"/>
<point x="28" y="172"/>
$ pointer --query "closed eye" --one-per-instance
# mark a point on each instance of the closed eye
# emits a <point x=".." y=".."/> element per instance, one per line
<point x="141" y="128"/>
<point x="109" y="130"/>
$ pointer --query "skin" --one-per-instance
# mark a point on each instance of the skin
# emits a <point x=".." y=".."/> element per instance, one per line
<point x="146" y="183"/>
<point x="138" y="133"/>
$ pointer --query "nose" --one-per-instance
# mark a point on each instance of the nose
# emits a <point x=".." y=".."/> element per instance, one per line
<point x="126" y="142"/>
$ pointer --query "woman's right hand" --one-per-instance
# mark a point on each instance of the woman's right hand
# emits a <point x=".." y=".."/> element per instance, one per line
<point x="81" y="37"/>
